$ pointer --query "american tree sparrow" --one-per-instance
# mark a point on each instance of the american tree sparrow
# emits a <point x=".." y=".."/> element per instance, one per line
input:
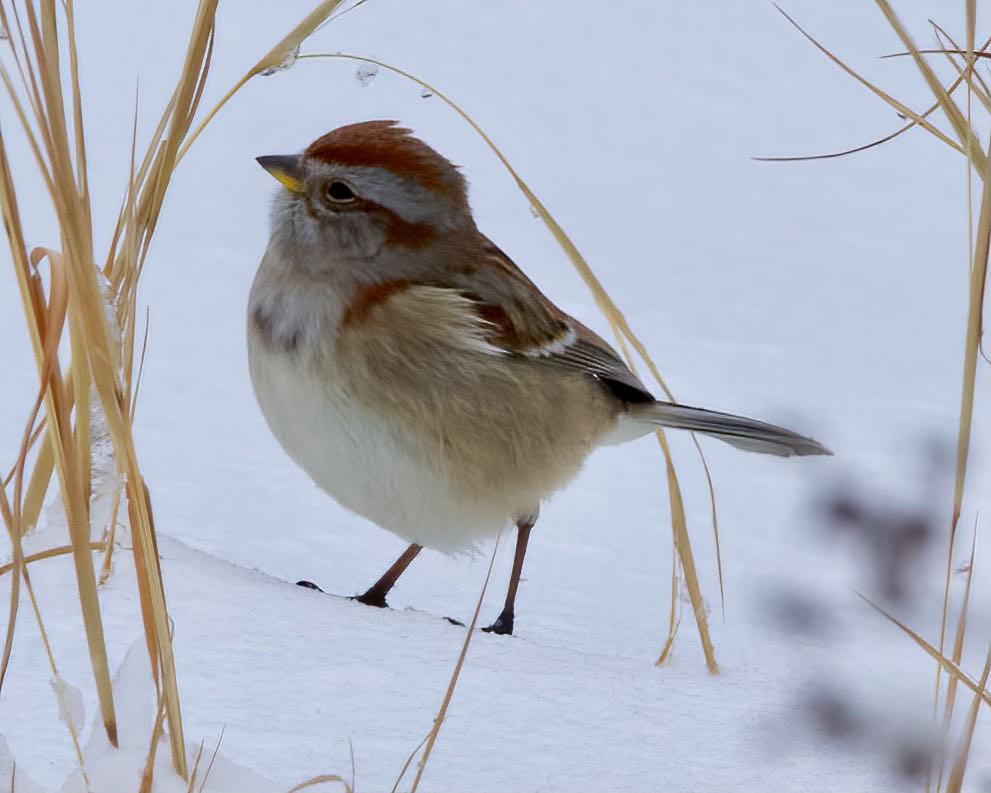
<point x="415" y="373"/>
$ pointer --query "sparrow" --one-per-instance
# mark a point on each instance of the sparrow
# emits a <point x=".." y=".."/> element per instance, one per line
<point x="415" y="373"/>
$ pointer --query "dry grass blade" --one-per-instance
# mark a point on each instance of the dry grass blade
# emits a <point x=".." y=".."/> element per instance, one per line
<point x="15" y="587"/>
<point x="715" y="525"/>
<point x="947" y="664"/>
<point x="55" y="673"/>
<point x="674" y="612"/>
<point x="951" y="688"/>
<point x="866" y="146"/>
<point x="319" y="780"/>
<point x="970" y="11"/>
<point x="898" y="106"/>
<point x="13" y="521"/>
<point x="62" y="550"/>
<point x="975" y="323"/>
<point x="449" y="694"/>
<point x="970" y="144"/>
<point x="961" y="79"/>
<point x="143" y="210"/>
<point x="41" y="477"/>
<point x="94" y="360"/>
<point x="960" y="115"/>
<point x="9" y="211"/>
<point x="975" y="82"/>
<point x="279" y="57"/>
<point x="952" y="50"/>
<point x="954" y="782"/>
<point x="961" y="627"/>
<point x="74" y="493"/>
<point x="407" y="764"/>
<point x="48" y="105"/>
<point x="209" y="766"/>
<point x="44" y="89"/>
<point x="148" y="772"/>
<point x="683" y="544"/>
<point x="195" y="770"/>
<point x="624" y="334"/>
<point x="48" y="321"/>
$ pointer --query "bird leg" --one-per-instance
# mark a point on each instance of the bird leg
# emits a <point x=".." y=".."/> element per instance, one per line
<point x="375" y="594"/>
<point x="504" y="622"/>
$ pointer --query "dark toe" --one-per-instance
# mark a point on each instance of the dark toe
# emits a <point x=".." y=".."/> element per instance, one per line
<point x="372" y="598"/>
<point x="503" y="626"/>
<point x="308" y="585"/>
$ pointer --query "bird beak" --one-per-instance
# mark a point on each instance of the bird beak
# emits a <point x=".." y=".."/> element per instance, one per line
<point x="285" y="168"/>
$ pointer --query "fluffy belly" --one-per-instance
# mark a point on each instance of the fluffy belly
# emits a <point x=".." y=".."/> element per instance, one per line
<point x="373" y="467"/>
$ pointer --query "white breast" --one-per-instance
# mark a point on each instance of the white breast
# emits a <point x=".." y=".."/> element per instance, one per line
<point x="363" y="463"/>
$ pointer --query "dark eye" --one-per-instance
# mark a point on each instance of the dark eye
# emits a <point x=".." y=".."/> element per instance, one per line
<point x="340" y="192"/>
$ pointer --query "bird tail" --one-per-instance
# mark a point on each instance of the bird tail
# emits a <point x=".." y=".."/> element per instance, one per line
<point x="744" y="433"/>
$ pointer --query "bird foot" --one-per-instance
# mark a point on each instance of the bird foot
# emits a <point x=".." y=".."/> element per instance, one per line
<point x="309" y="585"/>
<point x="503" y="626"/>
<point x="372" y="597"/>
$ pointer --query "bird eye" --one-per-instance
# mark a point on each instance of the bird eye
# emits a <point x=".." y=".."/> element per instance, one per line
<point x="340" y="192"/>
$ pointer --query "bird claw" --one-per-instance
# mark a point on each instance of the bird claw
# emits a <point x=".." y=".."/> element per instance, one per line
<point x="503" y="626"/>
<point x="372" y="598"/>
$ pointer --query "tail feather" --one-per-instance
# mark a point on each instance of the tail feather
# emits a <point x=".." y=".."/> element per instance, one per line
<point x="744" y="433"/>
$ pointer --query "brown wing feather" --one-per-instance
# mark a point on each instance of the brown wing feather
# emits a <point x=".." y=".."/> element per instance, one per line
<point x="517" y="319"/>
<point x="525" y="322"/>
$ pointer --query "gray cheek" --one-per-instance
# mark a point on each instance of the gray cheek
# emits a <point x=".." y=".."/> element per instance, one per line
<point x="320" y="242"/>
<point x="355" y="235"/>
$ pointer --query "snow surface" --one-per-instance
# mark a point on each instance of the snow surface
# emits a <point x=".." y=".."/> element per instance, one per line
<point x="829" y="297"/>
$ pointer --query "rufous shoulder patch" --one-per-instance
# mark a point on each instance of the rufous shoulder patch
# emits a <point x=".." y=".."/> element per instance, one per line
<point x="368" y="298"/>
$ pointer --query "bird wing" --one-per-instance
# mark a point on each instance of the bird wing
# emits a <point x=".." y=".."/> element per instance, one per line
<point x="522" y="321"/>
<point x="490" y="306"/>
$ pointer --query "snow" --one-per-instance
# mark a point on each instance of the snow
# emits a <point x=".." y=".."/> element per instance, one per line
<point x="829" y="297"/>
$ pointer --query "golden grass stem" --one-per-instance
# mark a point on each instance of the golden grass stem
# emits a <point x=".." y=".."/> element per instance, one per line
<point x="954" y="782"/>
<point x="978" y="161"/>
<point x="975" y="320"/>
<point x="674" y="612"/>
<point x="273" y="59"/>
<point x="951" y="687"/>
<point x="49" y="553"/>
<point x="72" y="488"/>
<point x="49" y="108"/>
<point x="194" y="771"/>
<point x="213" y="757"/>
<point x="947" y="664"/>
<point x="73" y="734"/>
<point x="898" y="106"/>
<point x="449" y="694"/>
<point x="15" y="586"/>
<point x="406" y="765"/>
<point x="683" y="544"/>
<point x="148" y="772"/>
<point x="864" y="147"/>
<point x="319" y="780"/>
<point x="965" y="133"/>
